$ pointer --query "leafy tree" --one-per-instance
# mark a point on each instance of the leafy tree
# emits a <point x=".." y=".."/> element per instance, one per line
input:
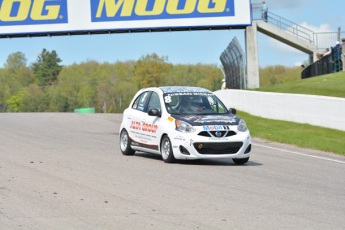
<point x="15" y="61"/>
<point x="213" y="82"/>
<point x="86" y="96"/>
<point x="47" y="68"/>
<point x="4" y="89"/>
<point x="182" y="75"/>
<point x="150" y="70"/>
<point x="57" y="102"/>
<point x="14" y="76"/>
<point x="62" y="103"/>
<point x="35" y="99"/>
<point x="14" y="103"/>
<point x="70" y="80"/>
<point x="206" y="76"/>
<point x="10" y="83"/>
<point x="106" y="94"/>
<point x="24" y="76"/>
<point x="91" y="84"/>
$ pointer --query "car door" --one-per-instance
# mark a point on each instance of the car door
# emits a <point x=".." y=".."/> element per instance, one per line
<point x="151" y="125"/>
<point x="137" y="118"/>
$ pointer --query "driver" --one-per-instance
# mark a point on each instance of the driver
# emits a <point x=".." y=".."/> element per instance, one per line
<point x="184" y="105"/>
<point x="190" y="105"/>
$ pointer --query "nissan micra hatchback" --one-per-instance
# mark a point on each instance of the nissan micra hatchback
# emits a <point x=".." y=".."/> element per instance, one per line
<point x="180" y="122"/>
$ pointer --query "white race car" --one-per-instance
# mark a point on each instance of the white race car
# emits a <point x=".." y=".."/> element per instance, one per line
<point x="180" y="122"/>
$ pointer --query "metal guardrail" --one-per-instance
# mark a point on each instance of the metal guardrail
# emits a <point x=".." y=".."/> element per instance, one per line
<point x="327" y="39"/>
<point x="320" y="40"/>
<point x="291" y="27"/>
<point x="283" y="24"/>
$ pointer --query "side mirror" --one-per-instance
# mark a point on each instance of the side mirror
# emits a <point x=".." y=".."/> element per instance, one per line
<point x="154" y="112"/>
<point x="233" y="111"/>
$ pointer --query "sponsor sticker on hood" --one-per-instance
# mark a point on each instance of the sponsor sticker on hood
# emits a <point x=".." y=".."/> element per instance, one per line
<point x="210" y="120"/>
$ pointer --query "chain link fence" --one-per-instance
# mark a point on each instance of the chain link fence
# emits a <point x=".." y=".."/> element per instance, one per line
<point x="233" y="61"/>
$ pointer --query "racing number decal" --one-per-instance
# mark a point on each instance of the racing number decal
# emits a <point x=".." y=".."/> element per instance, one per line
<point x="167" y="99"/>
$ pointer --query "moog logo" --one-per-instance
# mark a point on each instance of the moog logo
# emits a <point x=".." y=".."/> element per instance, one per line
<point x="32" y="12"/>
<point x="123" y="10"/>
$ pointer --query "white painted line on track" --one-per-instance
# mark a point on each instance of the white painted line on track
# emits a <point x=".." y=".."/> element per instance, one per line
<point x="303" y="154"/>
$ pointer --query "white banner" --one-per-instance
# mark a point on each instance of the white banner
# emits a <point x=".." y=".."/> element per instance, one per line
<point x="30" y="17"/>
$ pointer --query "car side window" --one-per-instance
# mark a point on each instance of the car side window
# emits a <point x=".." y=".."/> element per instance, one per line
<point x="140" y="102"/>
<point x="215" y="105"/>
<point x="154" y="102"/>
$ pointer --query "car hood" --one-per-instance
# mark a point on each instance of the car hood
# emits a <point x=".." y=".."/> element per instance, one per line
<point x="201" y="120"/>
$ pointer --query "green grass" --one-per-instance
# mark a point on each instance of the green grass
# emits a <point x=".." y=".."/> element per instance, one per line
<point x="302" y="135"/>
<point x="331" y="85"/>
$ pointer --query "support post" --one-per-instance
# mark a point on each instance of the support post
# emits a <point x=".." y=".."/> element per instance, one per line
<point x="252" y="56"/>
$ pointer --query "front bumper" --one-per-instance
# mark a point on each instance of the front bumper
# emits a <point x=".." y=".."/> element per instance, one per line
<point x="197" y="145"/>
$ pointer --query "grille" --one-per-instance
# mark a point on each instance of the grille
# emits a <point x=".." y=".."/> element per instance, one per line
<point x="217" y="148"/>
<point x="213" y="133"/>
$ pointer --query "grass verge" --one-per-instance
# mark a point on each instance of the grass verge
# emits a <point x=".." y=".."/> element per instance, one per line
<point x="331" y="85"/>
<point x="302" y="135"/>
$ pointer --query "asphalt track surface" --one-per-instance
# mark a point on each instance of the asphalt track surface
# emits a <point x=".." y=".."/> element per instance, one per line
<point x="65" y="171"/>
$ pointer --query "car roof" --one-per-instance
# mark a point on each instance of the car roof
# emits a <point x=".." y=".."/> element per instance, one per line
<point x="181" y="89"/>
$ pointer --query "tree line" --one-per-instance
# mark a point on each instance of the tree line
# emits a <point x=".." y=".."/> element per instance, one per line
<point x="273" y="75"/>
<point x="47" y="86"/>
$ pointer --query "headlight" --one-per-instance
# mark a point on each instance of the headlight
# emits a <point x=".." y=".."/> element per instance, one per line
<point x="242" y="127"/>
<point x="184" y="127"/>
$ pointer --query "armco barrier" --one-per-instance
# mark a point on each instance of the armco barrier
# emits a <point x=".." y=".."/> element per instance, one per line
<point x="307" y="109"/>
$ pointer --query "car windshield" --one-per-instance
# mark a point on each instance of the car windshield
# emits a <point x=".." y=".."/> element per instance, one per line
<point x="193" y="103"/>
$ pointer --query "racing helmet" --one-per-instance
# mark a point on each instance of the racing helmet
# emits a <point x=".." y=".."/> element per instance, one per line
<point x="195" y="101"/>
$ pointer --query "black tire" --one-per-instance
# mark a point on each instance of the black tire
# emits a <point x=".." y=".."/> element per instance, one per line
<point x="240" y="161"/>
<point x="166" y="150"/>
<point x="125" y="144"/>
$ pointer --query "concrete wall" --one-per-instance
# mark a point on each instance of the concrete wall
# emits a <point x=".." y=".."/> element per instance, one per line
<point x="314" y="110"/>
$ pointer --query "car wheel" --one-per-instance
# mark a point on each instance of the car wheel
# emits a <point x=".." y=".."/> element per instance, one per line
<point x="125" y="143"/>
<point x="166" y="150"/>
<point x="240" y="161"/>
